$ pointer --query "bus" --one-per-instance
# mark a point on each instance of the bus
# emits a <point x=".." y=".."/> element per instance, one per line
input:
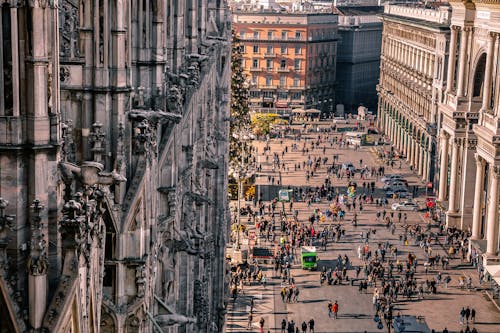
<point x="309" y="257"/>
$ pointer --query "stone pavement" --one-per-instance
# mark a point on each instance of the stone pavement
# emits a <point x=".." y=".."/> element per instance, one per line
<point x="356" y="310"/>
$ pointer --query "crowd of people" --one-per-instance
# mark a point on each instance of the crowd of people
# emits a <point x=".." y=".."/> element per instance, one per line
<point x="391" y="276"/>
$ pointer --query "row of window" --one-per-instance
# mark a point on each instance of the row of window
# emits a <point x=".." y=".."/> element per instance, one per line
<point x="282" y="80"/>
<point x="271" y="34"/>
<point x="282" y="64"/>
<point x="297" y="95"/>
<point x="270" y="49"/>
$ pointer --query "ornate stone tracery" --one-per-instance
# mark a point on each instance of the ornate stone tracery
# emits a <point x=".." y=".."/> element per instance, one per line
<point x="93" y="150"/>
<point x="69" y="29"/>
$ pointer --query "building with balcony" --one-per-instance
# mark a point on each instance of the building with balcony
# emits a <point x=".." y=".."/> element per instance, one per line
<point x="412" y="79"/>
<point x="470" y="129"/>
<point x="358" y="56"/>
<point x="289" y="57"/>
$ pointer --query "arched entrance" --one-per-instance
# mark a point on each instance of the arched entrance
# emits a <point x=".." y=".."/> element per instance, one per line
<point x="478" y="82"/>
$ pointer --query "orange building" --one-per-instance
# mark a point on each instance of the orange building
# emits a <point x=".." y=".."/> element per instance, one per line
<point x="289" y="58"/>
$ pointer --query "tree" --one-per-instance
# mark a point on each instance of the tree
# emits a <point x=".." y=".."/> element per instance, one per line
<point x="261" y="122"/>
<point x="240" y="112"/>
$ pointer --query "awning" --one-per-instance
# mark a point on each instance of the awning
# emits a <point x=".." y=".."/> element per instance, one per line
<point x="281" y="104"/>
<point x="312" y="111"/>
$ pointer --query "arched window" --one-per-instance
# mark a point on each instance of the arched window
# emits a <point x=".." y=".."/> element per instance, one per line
<point x="478" y="82"/>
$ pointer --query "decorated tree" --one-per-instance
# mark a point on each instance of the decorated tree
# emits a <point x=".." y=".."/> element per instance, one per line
<point x="240" y="112"/>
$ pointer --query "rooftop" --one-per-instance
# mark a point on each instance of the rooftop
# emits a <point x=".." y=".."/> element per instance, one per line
<point x="434" y="12"/>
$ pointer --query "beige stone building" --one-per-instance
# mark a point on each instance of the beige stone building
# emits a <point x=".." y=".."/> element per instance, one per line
<point x="412" y="76"/>
<point x="113" y="155"/>
<point x="470" y="134"/>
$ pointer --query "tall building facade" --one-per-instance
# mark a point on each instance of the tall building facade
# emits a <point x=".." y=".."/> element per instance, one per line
<point x="289" y="58"/>
<point x="358" y="57"/>
<point x="470" y="131"/>
<point x="113" y="154"/>
<point x="412" y="80"/>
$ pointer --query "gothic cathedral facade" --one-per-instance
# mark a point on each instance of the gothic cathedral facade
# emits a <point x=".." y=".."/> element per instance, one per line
<point x="113" y="163"/>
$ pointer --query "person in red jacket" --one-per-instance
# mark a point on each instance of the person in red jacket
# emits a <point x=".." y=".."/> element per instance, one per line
<point x="335" y="309"/>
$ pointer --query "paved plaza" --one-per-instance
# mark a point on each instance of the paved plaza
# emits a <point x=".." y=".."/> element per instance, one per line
<point x="356" y="309"/>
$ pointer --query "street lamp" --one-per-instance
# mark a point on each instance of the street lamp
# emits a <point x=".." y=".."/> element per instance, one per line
<point x="241" y="169"/>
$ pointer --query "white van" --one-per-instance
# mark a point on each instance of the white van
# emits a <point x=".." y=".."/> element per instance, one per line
<point x="340" y="120"/>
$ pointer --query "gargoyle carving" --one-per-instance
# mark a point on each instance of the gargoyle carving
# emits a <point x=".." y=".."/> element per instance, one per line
<point x="167" y="320"/>
<point x="90" y="173"/>
<point x="198" y="198"/>
<point x="155" y="116"/>
<point x="173" y="318"/>
<point x="208" y="164"/>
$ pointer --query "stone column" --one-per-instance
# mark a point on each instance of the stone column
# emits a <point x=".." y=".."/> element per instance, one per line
<point x="426" y="64"/>
<point x="468" y="176"/>
<point x="425" y="168"/>
<point x="393" y="129"/>
<point x="492" y="223"/>
<point x="416" y="155"/>
<point x="412" y="146"/>
<point x="443" y="169"/>
<point x="452" y="208"/>
<point x="421" y="161"/>
<point x="408" y="147"/>
<point x="462" y="61"/>
<point x="405" y="147"/>
<point x="402" y="139"/>
<point x="478" y="197"/>
<point x="488" y="73"/>
<point x="398" y="136"/>
<point x="451" y="60"/>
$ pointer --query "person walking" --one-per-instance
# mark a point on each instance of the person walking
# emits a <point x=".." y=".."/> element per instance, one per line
<point x="304" y="327"/>
<point x="261" y="324"/>
<point x="330" y="308"/>
<point x="250" y="318"/>
<point x="335" y="309"/>
<point x="472" y="315"/>
<point x="462" y="316"/>
<point x="283" y="326"/>
<point x="467" y="314"/>
<point x="311" y="325"/>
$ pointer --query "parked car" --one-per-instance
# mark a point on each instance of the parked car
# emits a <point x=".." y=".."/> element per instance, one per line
<point x="395" y="188"/>
<point x="348" y="166"/>
<point x="340" y="120"/>
<point x="390" y="178"/>
<point x="400" y="193"/>
<point x="405" y="205"/>
<point x="394" y="184"/>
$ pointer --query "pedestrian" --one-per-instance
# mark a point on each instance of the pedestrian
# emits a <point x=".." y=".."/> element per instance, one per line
<point x="445" y="330"/>
<point x="462" y="316"/>
<point x="296" y="294"/>
<point x="467" y="315"/>
<point x="283" y="326"/>
<point x="330" y="307"/>
<point x="335" y="309"/>
<point x="261" y="323"/>
<point x="250" y="318"/>
<point x="304" y="327"/>
<point x="472" y="315"/>
<point x="311" y="325"/>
